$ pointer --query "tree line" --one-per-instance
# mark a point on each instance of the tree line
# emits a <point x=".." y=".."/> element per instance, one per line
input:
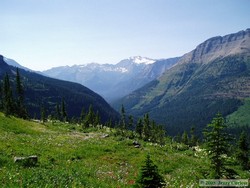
<point x="12" y="100"/>
<point x="12" y="103"/>
<point x="143" y="127"/>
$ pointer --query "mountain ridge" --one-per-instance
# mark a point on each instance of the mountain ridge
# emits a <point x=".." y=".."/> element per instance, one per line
<point x="220" y="46"/>
<point x="114" y="81"/>
<point x="48" y="92"/>
<point x="14" y="63"/>
<point x="210" y="79"/>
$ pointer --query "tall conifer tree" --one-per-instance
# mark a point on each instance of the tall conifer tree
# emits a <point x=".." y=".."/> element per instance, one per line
<point x="58" y="112"/>
<point x="89" y="118"/>
<point x="8" y="102"/>
<point x="184" y="138"/>
<point x="123" y="118"/>
<point x="193" y="139"/>
<point x="242" y="153"/>
<point x="130" y="122"/>
<point x="82" y="116"/>
<point x="20" y="109"/>
<point x="97" y="119"/>
<point x="217" y="143"/>
<point x="64" y="113"/>
<point x="146" y="127"/>
<point x="139" y="127"/>
<point x="43" y="114"/>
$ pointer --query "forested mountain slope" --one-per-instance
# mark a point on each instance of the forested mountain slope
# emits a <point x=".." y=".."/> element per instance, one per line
<point x="214" y="77"/>
<point x="41" y="91"/>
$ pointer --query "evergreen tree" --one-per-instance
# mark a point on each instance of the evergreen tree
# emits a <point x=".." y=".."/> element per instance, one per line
<point x="82" y="116"/>
<point x="139" y="127"/>
<point x="149" y="176"/>
<point x="74" y="120"/>
<point x="109" y="123"/>
<point x="20" y="109"/>
<point x="64" y="113"/>
<point x="19" y="90"/>
<point x="193" y="140"/>
<point x="123" y="118"/>
<point x="178" y="137"/>
<point x="184" y="138"/>
<point x="58" y="112"/>
<point x="97" y="119"/>
<point x="8" y="102"/>
<point x="146" y="127"/>
<point x="153" y="132"/>
<point x="43" y="114"/>
<point x="242" y="153"/>
<point x="217" y="143"/>
<point x="130" y="122"/>
<point x="160" y="135"/>
<point x="89" y="118"/>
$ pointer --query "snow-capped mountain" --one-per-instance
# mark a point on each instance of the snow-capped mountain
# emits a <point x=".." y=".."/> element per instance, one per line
<point x="114" y="81"/>
<point x="141" y="60"/>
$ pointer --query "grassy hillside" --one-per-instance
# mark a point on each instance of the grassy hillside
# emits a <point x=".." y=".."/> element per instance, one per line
<point x="71" y="157"/>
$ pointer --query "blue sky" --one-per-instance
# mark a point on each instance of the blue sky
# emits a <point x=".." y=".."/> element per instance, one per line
<point x="41" y="34"/>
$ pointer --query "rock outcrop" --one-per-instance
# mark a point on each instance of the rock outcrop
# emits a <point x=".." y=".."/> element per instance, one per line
<point x="219" y="47"/>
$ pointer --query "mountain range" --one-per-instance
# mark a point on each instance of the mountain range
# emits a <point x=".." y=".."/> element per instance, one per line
<point x="214" y="77"/>
<point x="178" y="93"/>
<point x="114" y="81"/>
<point x="41" y="91"/>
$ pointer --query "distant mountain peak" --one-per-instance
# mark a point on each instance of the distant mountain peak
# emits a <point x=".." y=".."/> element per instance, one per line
<point x="114" y="81"/>
<point x="141" y="60"/>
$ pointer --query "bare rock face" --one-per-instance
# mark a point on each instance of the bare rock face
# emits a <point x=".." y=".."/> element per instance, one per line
<point x="219" y="47"/>
<point x="136" y="144"/>
<point x="26" y="161"/>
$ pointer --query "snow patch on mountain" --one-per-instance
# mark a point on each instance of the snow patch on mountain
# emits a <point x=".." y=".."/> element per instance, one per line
<point x="115" y="69"/>
<point x="113" y="81"/>
<point x="142" y="60"/>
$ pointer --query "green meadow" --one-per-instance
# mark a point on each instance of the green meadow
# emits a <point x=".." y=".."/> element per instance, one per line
<point x="69" y="156"/>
